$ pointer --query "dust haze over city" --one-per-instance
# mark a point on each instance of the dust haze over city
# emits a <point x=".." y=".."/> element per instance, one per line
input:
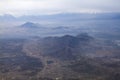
<point x="59" y="40"/>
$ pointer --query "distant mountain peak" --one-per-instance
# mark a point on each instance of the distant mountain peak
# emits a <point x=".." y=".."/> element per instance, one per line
<point x="30" y="25"/>
<point x="8" y="15"/>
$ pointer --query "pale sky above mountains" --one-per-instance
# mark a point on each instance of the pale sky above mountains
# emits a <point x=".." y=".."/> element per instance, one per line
<point x="37" y="7"/>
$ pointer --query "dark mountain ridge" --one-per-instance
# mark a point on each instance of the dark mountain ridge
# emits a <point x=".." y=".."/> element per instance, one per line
<point x="68" y="57"/>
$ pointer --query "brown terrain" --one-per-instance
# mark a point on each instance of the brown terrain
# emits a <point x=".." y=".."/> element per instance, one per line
<point x="68" y="57"/>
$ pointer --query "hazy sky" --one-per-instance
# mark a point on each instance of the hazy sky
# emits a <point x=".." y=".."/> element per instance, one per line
<point x="33" y="7"/>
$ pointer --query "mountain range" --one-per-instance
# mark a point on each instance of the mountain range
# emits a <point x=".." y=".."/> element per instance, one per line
<point x="80" y="57"/>
<point x="62" y="17"/>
